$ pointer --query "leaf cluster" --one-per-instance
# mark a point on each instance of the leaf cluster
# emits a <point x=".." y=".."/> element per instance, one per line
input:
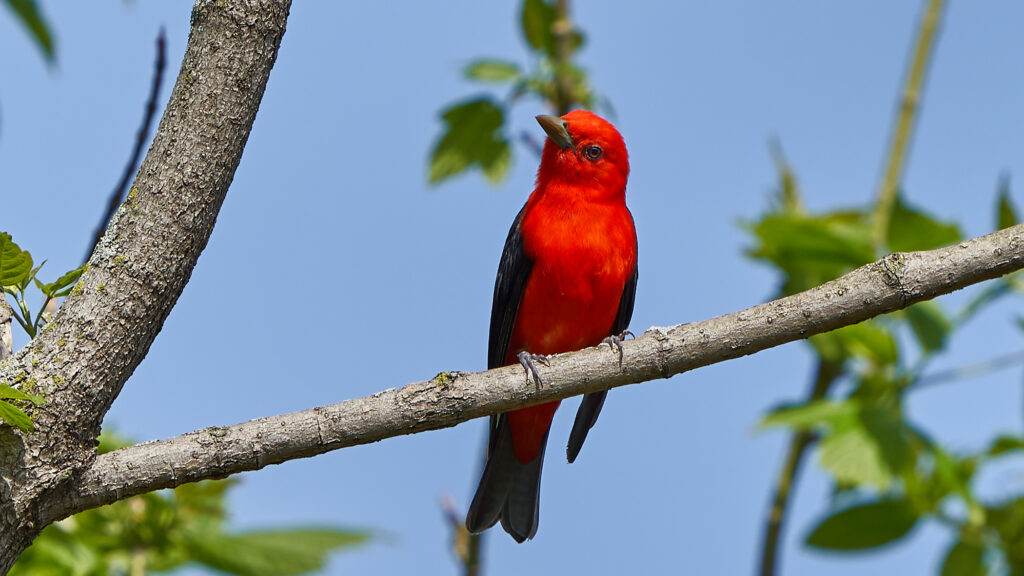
<point x="162" y="531"/>
<point x="475" y="134"/>
<point x="17" y="273"/>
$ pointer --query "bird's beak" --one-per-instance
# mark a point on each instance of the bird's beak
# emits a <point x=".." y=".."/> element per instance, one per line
<point x="557" y="130"/>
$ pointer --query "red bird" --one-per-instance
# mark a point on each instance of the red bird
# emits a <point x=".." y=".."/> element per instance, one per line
<point x="567" y="280"/>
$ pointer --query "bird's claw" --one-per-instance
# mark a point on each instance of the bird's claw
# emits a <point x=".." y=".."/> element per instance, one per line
<point x="529" y="362"/>
<point x="615" y="342"/>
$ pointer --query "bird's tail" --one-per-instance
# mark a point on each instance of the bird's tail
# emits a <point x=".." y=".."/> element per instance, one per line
<point x="586" y="417"/>
<point x="509" y="490"/>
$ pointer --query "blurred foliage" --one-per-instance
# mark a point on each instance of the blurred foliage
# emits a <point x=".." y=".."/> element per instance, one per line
<point x="475" y="134"/>
<point x="162" y="531"/>
<point x="27" y="13"/>
<point x="889" y="475"/>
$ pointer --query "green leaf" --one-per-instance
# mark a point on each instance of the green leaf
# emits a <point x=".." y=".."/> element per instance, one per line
<point x="952" y="475"/>
<point x="870" y="341"/>
<point x="27" y="13"/>
<point x="964" y="559"/>
<point x="1006" y="214"/>
<point x="829" y="347"/>
<point x="538" y="19"/>
<point x="31" y="277"/>
<point x="812" y="249"/>
<point x="472" y="137"/>
<point x="278" y="553"/>
<point x="864" y="526"/>
<point x="1015" y="280"/>
<point x="110" y="441"/>
<point x="492" y="71"/>
<point x="930" y="324"/>
<point x="6" y="392"/>
<point x="787" y="196"/>
<point x="891" y="434"/>
<point x="55" y="288"/>
<point x="868" y="448"/>
<point x="854" y="457"/>
<point x="912" y="229"/>
<point x="15" y="417"/>
<point x="15" y="263"/>
<point x="812" y="414"/>
<point x="1005" y="444"/>
<point x="867" y="340"/>
<point x="1005" y="517"/>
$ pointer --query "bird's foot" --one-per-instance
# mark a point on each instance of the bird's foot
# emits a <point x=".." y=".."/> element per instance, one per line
<point x="615" y="342"/>
<point x="529" y="362"/>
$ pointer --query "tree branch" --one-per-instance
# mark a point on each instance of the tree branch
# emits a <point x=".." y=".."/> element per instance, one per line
<point x="562" y="30"/>
<point x="6" y="338"/>
<point x="136" y="273"/>
<point x="895" y="282"/>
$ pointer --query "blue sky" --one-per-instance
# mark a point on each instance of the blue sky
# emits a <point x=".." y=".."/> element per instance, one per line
<point x="369" y="279"/>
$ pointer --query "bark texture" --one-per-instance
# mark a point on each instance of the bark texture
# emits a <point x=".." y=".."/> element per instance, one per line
<point x="895" y="282"/>
<point x="6" y="340"/>
<point x="139" y="268"/>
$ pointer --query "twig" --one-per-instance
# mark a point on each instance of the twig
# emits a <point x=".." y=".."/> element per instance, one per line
<point x="903" y="128"/>
<point x="973" y="370"/>
<point x="530" y="142"/>
<point x="826" y="374"/>
<point x="561" y="29"/>
<point x="143" y="136"/>
<point x="466" y="546"/>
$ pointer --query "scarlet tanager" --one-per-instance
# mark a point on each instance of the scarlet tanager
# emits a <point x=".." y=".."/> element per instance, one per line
<point x="566" y="280"/>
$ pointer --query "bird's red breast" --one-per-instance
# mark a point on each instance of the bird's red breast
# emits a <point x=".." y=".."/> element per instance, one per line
<point x="580" y="236"/>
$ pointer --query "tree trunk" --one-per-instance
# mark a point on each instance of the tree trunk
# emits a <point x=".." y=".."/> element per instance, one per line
<point x="136" y="273"/>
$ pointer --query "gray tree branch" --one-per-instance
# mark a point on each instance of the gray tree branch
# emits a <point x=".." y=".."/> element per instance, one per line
<point x="6" y="338"/>
<point x="137" y="271"/>
<point x="895" y="282"/>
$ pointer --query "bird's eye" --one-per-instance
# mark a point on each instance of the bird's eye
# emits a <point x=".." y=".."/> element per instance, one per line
<point x="593" y="152"/>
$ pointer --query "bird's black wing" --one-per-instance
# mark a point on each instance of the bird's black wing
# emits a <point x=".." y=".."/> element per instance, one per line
<point x="513" y="271"/>
<point x="590" y="407"/>
<point x="625" y="313"/>
<point x="508" y="490"/>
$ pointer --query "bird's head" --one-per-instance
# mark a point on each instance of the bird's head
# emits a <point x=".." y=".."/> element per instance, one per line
<point x="584" y="150"/>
